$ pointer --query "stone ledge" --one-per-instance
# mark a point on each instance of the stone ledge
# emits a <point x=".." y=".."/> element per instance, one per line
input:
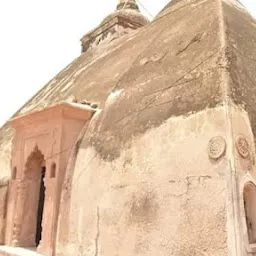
<point x="17" y="251"/>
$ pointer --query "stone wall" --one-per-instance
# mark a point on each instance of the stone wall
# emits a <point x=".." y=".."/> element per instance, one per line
<point x="162" y="196"/>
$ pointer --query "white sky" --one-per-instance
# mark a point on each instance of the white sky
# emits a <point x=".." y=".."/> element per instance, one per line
<point x="38" y="38"/>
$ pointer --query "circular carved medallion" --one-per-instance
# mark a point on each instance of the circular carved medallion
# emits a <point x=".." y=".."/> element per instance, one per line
<point x="217" y="147"/>
<point x="242" y="146"/>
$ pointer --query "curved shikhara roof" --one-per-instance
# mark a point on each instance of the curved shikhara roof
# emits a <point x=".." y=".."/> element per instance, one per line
<point x="143" y="78"/>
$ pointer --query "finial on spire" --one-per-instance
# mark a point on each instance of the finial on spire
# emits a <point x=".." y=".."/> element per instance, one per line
<point x="127" y="4"/>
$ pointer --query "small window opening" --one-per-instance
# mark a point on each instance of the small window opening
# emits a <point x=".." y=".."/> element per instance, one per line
<point x="14" y="173"/>
<point x="250" y="211"/>
<point x="53" y="171"/>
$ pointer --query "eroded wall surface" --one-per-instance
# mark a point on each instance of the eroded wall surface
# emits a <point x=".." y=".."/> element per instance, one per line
<point x="162" y="196"/>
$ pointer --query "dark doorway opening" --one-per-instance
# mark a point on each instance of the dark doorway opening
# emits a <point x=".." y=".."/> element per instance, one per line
<point x="40" y="207"/>
<point x="250" y="211"/>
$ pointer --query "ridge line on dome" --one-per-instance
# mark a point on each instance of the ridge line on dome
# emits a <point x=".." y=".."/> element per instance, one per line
<point x="230" y="133"/>
<point x="173" y="11"/>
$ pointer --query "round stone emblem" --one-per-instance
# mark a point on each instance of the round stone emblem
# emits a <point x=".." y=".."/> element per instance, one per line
<point x="217" y="147"/>
<point x="242" y="146"/>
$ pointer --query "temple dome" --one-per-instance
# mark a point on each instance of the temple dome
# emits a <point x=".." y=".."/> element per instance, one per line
<point x="162" y="164"/>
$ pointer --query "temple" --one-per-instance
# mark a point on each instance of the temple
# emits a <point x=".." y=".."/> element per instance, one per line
<point x="144" y="145"/>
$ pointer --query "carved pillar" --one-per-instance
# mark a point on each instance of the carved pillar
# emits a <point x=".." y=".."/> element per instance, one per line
<point x="45" y="245"/>
<point x="19" y="210"/>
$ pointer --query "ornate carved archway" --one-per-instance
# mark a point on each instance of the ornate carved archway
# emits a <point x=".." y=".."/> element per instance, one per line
<point x="42" y="139"/>
<point x="25" y="220"/>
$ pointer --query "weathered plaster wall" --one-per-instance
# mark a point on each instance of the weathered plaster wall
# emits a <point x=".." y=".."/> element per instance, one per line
<point x="239" y="40"/>
<point x="162" y="196"/>
<point x="142" y="182"/>
<point x="241" y="55"/>
<point x="166" y="59"/>
<point x="242" y="171"/>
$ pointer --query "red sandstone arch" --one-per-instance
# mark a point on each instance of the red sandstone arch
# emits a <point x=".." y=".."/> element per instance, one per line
<point x="26" y="218"/>
<point x="54" y="130"/>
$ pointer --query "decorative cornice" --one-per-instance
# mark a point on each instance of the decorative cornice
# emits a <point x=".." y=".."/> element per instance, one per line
<point x="60" y="110"/>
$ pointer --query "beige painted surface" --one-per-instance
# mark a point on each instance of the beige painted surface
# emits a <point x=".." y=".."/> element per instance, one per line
<point x="242" y="172"/>
<point x="162" y="196"/>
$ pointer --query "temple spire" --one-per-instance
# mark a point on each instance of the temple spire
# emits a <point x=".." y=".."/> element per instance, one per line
<point x="127" y="4"/>
<point x="123" y="20"/>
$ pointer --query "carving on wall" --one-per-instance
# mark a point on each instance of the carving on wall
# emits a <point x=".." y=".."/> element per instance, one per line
<point x="217" y="147"/>
<point x="21" y="197"/>
<point x="242" y="146"/>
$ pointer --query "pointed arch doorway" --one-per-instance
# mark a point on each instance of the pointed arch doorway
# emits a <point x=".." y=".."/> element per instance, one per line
<point x="30" y="202"/>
